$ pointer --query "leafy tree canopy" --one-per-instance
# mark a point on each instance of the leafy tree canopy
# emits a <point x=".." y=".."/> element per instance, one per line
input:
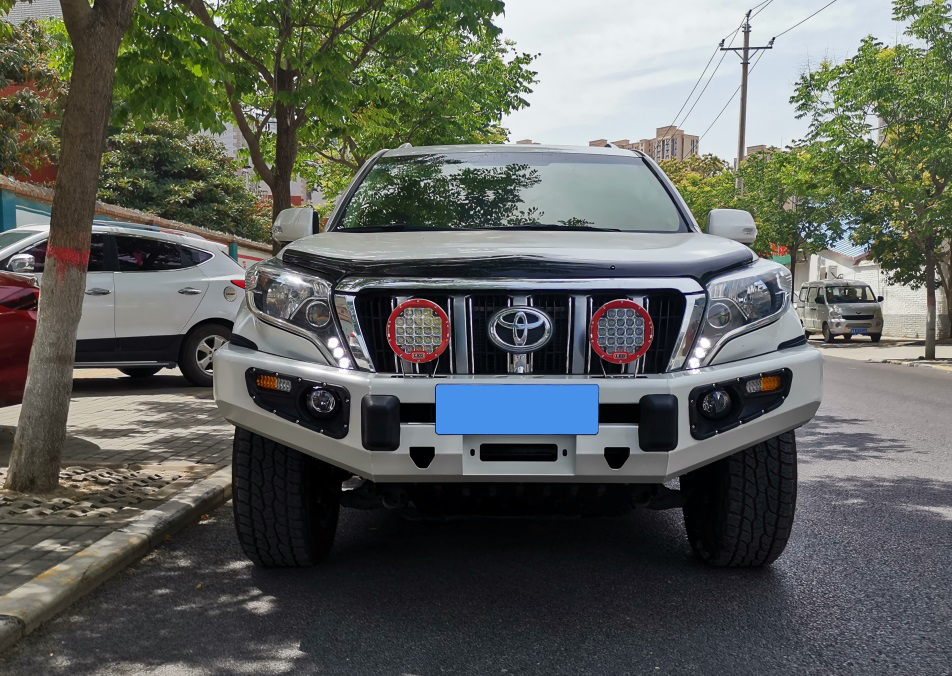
<point x="32" y="93"/>
<point x="164" y="170"/>
<point x="456" y="93"/>
<point x="882" y="126"/>
<point x="276" y="67"/>
<point x="786" y="194"/>
<point x="706" y="182"/>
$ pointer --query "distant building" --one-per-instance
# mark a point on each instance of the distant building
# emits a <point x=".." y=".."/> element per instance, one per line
<point x="38" y="9"/>
<point x="234" y="143"/>
<point x="669" y="143"/>
<point x="527" y="142"/>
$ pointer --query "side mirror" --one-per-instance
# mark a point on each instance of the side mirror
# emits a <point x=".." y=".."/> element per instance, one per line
<point x="880" y="299"/>
<point x="734" y="224"/>
<point x="22" y="263"/>
<point x="294" y="223"/>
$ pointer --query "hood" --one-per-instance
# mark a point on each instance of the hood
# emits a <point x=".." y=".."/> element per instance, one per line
<point x="864" y="308"/>
<point x="521" y="254"/>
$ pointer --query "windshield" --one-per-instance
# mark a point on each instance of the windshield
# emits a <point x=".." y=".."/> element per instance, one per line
<point x="849" y="294"/>
<point x="528" y="190"/>
<point x="12" y="237"/>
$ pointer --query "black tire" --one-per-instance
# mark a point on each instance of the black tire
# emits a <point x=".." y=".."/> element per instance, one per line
<point x="806" y="334"/>
<point x="848" y="337"/>
<point x="739" y="510"/>
<point x="141" y="371"/>
<point x="875" y="337"/>
<point x="197" y="347"/>
<point x="827" y="336"/>
<point x="286" y="504"/>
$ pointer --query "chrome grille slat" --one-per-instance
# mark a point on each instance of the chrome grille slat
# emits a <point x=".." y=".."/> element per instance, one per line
<point x="569" y="351"/>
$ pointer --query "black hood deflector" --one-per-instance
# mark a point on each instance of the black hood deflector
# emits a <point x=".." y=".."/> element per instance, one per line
<point x="518" y="267"/>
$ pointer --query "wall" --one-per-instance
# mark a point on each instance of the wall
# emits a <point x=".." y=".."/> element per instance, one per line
<point x="26" y="204"/>
<point x="904" y="308"/>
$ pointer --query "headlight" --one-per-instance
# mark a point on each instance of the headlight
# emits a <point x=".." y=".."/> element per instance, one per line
<point x="836" y="312"/>
<point x="297" y="303"/>
<point x="738" y="303"/>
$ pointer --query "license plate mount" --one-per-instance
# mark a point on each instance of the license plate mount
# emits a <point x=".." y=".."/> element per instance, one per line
<point x="530" y="410"/>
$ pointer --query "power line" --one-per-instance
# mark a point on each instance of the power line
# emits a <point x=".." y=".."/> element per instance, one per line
<point x="675" y="123"/>
<point x="693" y="89"/>
<point x="731" y="99"/>
<point x="765" y="4"/>
<point x="807" y="19"/>
<point x="759" y="56"/>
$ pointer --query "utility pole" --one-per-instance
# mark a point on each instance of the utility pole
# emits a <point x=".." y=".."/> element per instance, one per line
<point x="744" y="53"/>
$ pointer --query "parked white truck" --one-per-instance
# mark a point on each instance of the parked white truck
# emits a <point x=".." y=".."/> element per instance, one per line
<point x="515" y="329"/>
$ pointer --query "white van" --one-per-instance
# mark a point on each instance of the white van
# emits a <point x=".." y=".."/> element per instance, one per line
<point x="836" y="307"/>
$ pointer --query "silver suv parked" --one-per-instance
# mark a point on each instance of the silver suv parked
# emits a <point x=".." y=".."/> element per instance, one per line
<point x="837" y="307"/>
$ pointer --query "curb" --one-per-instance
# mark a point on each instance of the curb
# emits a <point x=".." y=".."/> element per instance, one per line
<point x="49" y="593"/>
<point x="918" y="364"/>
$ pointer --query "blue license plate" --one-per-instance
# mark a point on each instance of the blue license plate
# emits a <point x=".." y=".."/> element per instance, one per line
<point x="860" y="332"/>
<point x="517" y="409"/>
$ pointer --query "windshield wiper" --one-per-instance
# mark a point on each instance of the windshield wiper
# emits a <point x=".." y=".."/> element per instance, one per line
<point x="393" y="227"/>
<point x="554" y="226"/>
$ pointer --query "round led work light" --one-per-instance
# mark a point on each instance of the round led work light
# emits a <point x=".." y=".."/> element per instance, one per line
<point x="418" y="330"/>
<point x="621" y="331"/>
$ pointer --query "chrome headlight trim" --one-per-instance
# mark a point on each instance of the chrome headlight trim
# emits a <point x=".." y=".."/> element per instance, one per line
<point x="738" y="303"/>
<point x="286" y="311"/>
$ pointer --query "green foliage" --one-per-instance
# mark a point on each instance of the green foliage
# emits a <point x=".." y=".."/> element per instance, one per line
<point x="278" y="68"/>
<point x="893" y="188"/>
<point x="421" y="192"/>
<point x="32" y="99"/>
<point x="457" y="92"/>
<point x="705" y="182"/>
<point x="785" y="192"/>
<point x="164" y="170"/>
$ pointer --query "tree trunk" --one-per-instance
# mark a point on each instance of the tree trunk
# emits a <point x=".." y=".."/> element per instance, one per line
<point x="285" y="148"/>
<point x="794" y="250"/>
<point x="930" y="302"/>
<point x="37" y="447"/>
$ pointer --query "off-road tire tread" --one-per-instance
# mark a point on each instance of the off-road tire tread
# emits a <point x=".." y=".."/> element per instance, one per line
<point x="286" y="504"/>
<point x="740" y="509"/>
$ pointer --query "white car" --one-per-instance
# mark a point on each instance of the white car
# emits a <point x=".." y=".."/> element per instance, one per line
<point x="155" y="298"/>
<point x="516" y="328"/>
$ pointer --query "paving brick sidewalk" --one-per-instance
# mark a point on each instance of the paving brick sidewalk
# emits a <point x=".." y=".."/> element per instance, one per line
<point x="131" y="445"/>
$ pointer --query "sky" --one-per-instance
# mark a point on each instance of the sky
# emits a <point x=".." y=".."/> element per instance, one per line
<point x="618" y="69"/>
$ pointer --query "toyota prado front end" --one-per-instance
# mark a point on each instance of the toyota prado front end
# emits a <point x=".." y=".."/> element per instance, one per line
<point x="516" y="329"/>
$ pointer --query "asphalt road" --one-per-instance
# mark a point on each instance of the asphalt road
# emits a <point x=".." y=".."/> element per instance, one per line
<point x="864" y="587"/>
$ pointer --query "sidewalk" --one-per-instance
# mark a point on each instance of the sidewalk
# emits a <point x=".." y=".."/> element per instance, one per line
<point x="134" y="447"/>
<point x="906" y="351"/>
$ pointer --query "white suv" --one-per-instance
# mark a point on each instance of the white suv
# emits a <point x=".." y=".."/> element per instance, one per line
<point x="155" y="298"/>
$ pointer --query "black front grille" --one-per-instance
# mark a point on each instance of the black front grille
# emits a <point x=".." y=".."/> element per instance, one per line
<point x="858" y="317"/>
<point x="666" y="308"/>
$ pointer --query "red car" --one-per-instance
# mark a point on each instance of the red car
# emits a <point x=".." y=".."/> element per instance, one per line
<point x="18" y="301"/>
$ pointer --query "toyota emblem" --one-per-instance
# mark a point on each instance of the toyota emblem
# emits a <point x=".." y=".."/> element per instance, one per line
<point x="520" y="329"/>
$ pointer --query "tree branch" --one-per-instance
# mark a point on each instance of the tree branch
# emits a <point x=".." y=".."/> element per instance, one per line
<point x="400" y="18"/>
<point x="198" y="9"/>
<point x="76" y="14"/>
<point x="253" y="141"/>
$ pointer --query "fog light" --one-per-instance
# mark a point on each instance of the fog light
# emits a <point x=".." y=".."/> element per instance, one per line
<point x="321" y="402"/>
<point x="273" y="383"/>
<point x="763" y="384"/>
<point x="716" y="404"/>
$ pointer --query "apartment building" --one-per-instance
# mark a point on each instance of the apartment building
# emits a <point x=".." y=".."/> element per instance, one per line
<point x="669" y="143"/>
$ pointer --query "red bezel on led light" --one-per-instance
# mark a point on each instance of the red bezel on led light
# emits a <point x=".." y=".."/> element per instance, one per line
<point x="621" y="357"/>
<point x="418" y="356"/>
